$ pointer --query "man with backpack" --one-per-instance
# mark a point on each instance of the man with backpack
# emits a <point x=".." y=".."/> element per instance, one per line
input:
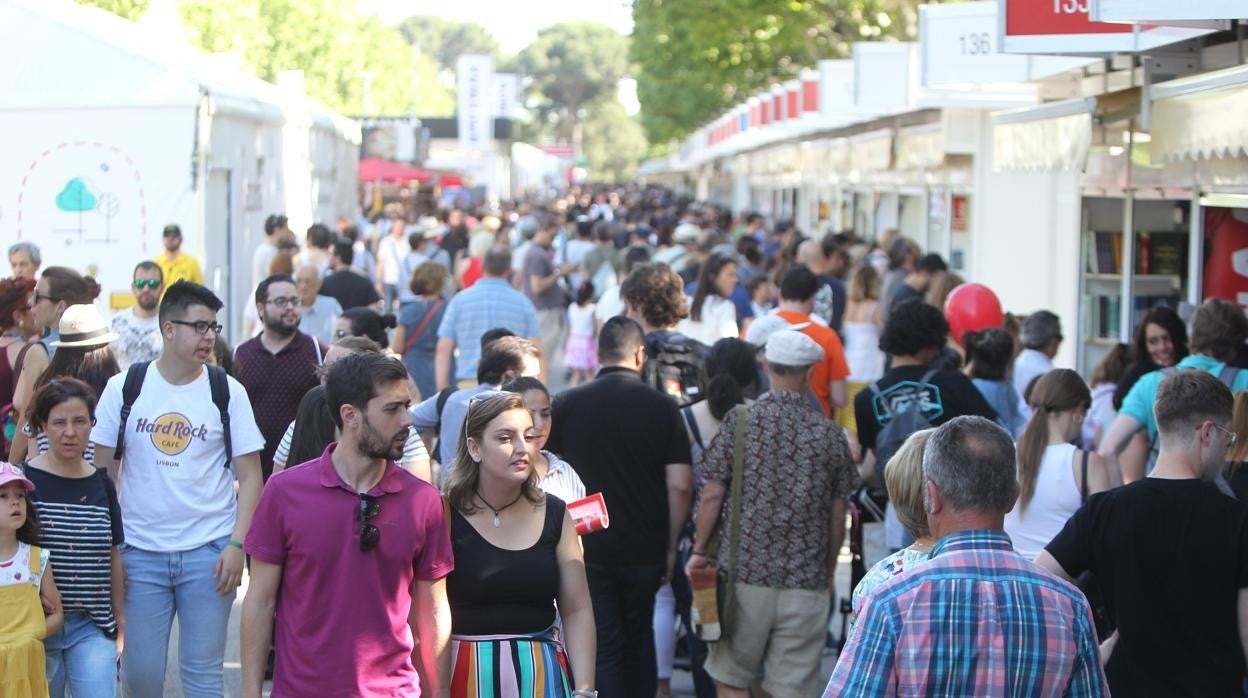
<point x="654" y="297"/>
<point x="911" y="395"/>
<point x="174" y="434"/>
<point x="1219" y="330"/>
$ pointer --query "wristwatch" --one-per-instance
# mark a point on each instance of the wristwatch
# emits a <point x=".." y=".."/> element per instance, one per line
<point x="582" y="693"/>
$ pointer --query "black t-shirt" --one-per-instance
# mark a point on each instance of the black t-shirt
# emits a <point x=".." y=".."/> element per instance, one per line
<point x="1170" y="557"/>
<point x="350" y="289"/>
<point x="81" y="523"/>
<point x="495" y="591"/>
<point x="619" y="434"/>
<point x="948" y="394"/>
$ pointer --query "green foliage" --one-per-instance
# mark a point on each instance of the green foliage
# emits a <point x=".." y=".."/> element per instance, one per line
<point x="571" y="65"/>
<point x="130" y="9"/>
<point x="697" y="59"/>
<point x="613" y="142"/>
<point x="445" y="40"/>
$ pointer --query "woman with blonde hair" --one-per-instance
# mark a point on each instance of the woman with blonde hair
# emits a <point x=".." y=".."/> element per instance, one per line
<point x="1054" y="476"/>
<point x="516" y="555"/>
<point x="861" y="331"/>
<point x="903" y="476"/>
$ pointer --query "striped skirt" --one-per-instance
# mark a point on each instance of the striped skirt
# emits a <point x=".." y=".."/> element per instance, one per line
<point x="510" y="666"/>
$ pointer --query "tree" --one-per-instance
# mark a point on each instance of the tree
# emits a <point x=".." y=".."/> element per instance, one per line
<point x="696" y="60"/>
<point x="614" y="142"/>
<point x="445" y="40"/>
<point x="572" y="65"/>
<point x="130" y="9"/>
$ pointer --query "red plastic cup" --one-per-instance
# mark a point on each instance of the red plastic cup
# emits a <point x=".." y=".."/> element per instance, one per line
<point x="589" y="514"/>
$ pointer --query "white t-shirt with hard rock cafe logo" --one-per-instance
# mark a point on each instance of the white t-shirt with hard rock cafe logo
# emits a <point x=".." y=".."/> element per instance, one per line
<point x="176" y="493"/>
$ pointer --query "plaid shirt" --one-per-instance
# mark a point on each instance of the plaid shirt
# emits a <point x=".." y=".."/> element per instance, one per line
<point x="977" y="620"/>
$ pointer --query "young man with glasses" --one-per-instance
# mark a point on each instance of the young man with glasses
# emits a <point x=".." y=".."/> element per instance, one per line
<point x="1171" y="554"/>
<point x="277" y="366"/>
<point x="349" y="553"/>
<point x="183" y="521"/>
<point x="137" y="327"/>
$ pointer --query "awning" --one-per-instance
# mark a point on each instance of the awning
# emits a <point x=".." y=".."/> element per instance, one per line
<point x="871" y="151"/>
<point x="1053" y="136"/>
<point x="921" y="147"/>
<point x="379" y="170"/>
<point x="1201" y="117"/>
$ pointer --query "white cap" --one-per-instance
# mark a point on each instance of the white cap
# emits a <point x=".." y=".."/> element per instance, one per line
<point x="792" y="348"/>
<point x="764" y="326"/>
<point x="686" y="232"/>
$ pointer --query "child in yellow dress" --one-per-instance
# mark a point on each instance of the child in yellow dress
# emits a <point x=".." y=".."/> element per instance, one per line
<point x="26" y="588"/>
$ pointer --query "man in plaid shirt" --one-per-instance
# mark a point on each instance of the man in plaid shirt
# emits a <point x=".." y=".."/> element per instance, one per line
<point x="977" y="619"/>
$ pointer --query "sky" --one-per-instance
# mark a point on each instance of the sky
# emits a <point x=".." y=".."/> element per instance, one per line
<point x="514" y="24"/>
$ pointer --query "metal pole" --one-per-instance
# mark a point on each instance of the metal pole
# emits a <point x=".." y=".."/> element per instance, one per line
<point x="1195" y="252"/>
<point x="1127" y="302"/>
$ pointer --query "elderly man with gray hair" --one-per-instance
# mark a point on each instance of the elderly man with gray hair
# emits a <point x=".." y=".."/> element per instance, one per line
<point x="25" y="260"/>
<point x="1042" y="335"/>
<point x="977" y="619"/>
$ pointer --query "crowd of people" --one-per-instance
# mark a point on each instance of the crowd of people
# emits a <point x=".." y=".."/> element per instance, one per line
<point x="392" y="449"/>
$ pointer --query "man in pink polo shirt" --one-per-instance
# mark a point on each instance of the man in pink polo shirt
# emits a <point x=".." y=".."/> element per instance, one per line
<point x="352" y="554"/>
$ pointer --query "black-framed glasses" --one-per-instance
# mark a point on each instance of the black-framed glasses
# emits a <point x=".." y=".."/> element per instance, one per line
<point x="148" y="283"/>
<point x="36" y="297"/>
<point x="201" y="326"/>
<point x="370" y="535"/>
<point x="287" y="302"/>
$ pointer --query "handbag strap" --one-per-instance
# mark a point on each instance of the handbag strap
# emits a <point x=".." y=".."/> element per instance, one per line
<point x="420" y="329"/>
<point x="1083" y="483"/>
<point x="741" y="415"/>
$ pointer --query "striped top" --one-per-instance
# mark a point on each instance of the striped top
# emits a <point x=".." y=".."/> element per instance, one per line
<point x="561" y="480"/>
<point x="489" y="303"/>
<point x="81" y="524"/>
<point x="976" y="620"/>
<point x="413" y="450"/>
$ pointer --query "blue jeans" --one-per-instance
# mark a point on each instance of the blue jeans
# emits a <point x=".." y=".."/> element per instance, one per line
<point x="158" y="586"/>
<point x="82" y="658"/>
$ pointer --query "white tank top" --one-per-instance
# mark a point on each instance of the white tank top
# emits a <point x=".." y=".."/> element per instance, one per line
<point x="1055" y="499"/>
<point x="862" y="351"/>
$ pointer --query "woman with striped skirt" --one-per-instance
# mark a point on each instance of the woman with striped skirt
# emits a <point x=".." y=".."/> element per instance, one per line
<point x="516" y="555"/>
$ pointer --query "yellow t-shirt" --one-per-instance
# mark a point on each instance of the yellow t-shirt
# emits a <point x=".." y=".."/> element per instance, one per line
<point x="183" y="267"/>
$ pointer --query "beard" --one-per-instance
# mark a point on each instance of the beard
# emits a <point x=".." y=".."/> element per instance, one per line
<point x="373" y="444"/>
<point x="281" y="327"/>
<point x="148" y="303"/>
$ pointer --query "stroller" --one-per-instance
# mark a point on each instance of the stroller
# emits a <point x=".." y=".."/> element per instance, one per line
<point x="866" y="546"/>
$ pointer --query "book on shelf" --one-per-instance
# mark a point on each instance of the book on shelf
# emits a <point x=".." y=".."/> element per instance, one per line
<point x="1155" y="253"/>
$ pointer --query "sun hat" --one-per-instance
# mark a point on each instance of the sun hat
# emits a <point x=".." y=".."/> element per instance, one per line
<point x="790" y="347"/>
<point x="762" y="328"/>
<point x="12" y="473"/>
<point x="83" y="326"/>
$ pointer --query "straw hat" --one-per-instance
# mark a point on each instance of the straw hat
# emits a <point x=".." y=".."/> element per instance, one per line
<point x="83" y="326"/>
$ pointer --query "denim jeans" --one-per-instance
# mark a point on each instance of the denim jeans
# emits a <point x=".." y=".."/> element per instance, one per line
<point x="82" y="658"/>
<point x="158" y="587"/>
<point x="623" y="599"/>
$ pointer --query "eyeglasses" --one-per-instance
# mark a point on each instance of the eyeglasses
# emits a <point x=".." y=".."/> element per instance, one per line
<point x="201" y="326"/>
<point x="34" y="299"/>
<point x="288" y="302"/>
<point x="1231" y="437"/>
<point x="149" y="283"/>
<point x="370" y="535"/>
<point x="339" y="334"/>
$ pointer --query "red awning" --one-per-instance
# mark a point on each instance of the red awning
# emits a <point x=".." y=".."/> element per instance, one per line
<point x="450" y="180"/>
<point x="379" y="170"/>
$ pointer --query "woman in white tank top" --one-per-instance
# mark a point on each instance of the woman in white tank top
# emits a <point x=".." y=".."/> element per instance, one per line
<point x="860" y="331"/>
<point x="1050" y="468"/>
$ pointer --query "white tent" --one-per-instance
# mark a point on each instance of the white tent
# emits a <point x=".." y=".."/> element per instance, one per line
<point x="114" y="130"/>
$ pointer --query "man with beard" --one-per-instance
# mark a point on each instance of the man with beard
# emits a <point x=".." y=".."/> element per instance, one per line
<point x="137" y="327"/>
<point x="278" y="365"/>
<point x="383" y="628"/>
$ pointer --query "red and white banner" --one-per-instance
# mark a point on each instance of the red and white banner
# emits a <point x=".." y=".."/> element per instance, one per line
<point x="1064" y="26"/>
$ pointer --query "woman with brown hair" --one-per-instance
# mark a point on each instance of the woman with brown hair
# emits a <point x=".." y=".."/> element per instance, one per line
<point x="1054" y="476"/>
<point x="516" y="555"/>
<point x="18" y="328"/>
<point x="416" y="336"/>
<point x="1237" y="454"/>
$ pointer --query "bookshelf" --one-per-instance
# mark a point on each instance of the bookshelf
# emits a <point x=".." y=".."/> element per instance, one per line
<point x="1160" y="269"/>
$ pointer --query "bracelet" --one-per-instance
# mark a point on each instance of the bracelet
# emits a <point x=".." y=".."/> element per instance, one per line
<point x="583" y="693"/>
<point x="236" y="544"/>
<point x="697" y="553"/>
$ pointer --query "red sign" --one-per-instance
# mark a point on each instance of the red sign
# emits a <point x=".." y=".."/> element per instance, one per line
<point x="1048" y="17"/>
<point x="960" y="220"/>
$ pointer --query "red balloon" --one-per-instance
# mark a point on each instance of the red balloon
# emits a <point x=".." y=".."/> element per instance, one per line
<point x="971" y="308"/>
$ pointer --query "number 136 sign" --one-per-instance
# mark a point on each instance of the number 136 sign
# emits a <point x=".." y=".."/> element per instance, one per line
<point x="960" y="45"/>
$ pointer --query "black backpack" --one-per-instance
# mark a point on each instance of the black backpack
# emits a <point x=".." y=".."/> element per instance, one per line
<point x="676" y="366"/>
<point x="218" y="381"/>
<point x="901" y="424"/>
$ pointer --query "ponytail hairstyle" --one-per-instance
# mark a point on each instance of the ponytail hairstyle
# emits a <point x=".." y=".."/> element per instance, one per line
<point x="989" y="353"/>
<point x="732" y="367"/>
<point x="67" y="285"/>
<point x="366" y="322"/>
<point x="1057" y="391"/>
<point x="585" y="292"/>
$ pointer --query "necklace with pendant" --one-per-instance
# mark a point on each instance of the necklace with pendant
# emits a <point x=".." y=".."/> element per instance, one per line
<point x="497" y="521"/>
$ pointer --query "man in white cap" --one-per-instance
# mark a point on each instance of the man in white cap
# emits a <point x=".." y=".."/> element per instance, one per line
<point x="684" y="247"/>
<point x="796" y="474"/>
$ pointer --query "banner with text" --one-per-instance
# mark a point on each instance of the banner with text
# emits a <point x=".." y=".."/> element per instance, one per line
<point x="475" y="105"/>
